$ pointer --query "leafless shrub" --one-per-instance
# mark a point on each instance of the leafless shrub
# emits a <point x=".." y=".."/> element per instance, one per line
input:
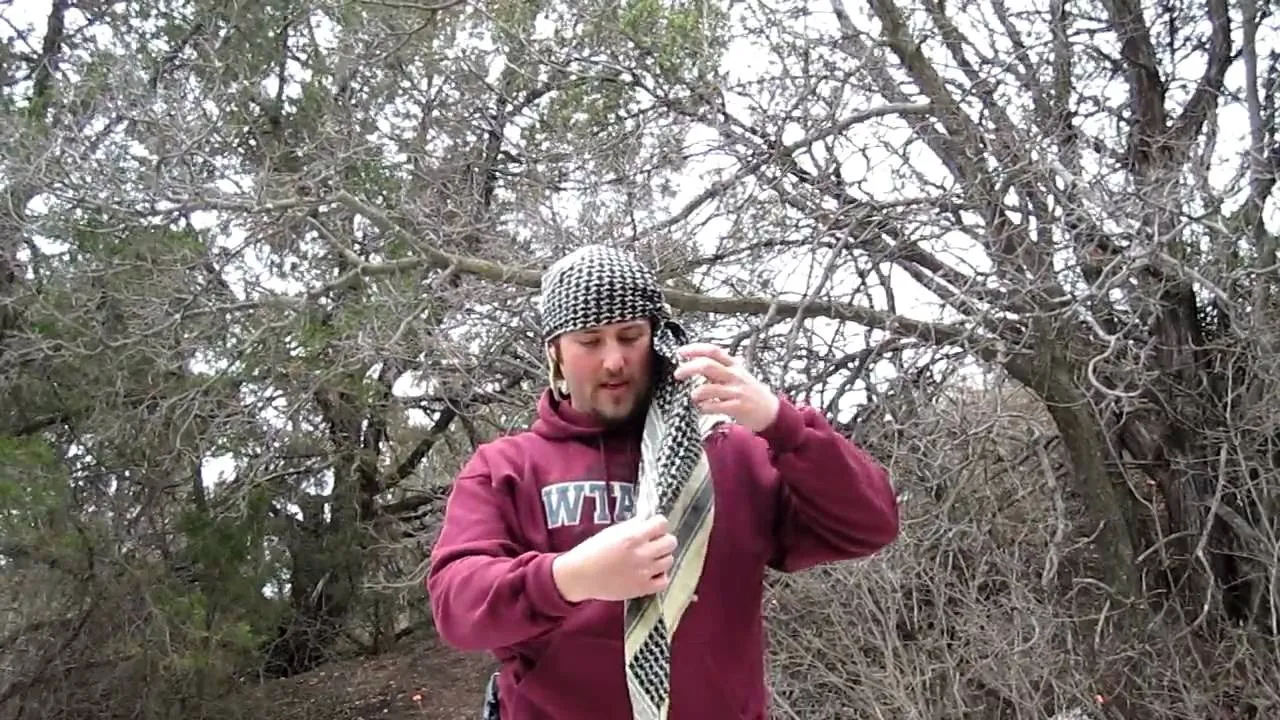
<point x="976" y="612"/>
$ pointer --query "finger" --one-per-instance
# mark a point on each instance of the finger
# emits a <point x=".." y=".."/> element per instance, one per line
<point x="658" y="583"/>
<point x="661" y="565"/>
<point x="708" y="368"/>
<point x="659" y="547"/>
<point x="654" y="528"/>
<point x="715" y="406"/>
<point x="715" y="391"/>
<point x="708" y="350"/>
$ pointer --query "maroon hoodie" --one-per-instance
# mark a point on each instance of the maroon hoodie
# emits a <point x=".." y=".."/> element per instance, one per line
<point x="789" y="498"/>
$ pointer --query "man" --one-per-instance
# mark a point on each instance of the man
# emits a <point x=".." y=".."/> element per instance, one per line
<point x="613" y="556"/>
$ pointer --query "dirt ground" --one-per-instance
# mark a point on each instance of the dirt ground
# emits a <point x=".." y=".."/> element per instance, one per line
<point x="423" y="680"/>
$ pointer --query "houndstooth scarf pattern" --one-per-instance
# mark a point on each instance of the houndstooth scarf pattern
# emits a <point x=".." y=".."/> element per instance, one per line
<point x="598" y="285"/>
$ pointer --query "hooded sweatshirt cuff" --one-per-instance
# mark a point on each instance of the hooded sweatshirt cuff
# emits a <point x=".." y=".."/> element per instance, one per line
<point x="787" y="429"/>
<point x="543" y="593"/>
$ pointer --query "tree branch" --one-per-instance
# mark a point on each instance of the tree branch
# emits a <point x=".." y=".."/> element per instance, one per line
<point x="932" y="333"/>
<point x="428" y="441"/>
<point x="1204" y="101"/>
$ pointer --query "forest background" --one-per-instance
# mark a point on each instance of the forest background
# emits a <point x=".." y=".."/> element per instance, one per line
<point x="268" y="275"/>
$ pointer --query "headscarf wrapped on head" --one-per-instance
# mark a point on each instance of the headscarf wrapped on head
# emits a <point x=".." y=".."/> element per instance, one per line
<point x="599" y="285"/>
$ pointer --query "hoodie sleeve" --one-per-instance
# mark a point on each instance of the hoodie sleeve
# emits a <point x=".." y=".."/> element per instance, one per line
<point x="486" y="590"/>
<point x="835" y="501"/>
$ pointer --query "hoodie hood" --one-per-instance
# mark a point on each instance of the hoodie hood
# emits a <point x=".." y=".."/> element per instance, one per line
<point x="617" y="446"/>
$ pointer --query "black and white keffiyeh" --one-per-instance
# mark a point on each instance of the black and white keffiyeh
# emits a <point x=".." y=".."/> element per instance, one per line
<point x="597" y="285"/>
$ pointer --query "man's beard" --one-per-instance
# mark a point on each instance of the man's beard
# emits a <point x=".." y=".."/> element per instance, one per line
<point x="637" y="413"/>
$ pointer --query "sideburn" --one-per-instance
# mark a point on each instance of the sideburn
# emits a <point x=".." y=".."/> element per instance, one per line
<point x="555" y="376"/>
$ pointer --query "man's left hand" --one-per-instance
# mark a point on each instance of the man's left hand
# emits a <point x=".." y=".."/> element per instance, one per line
<point x="730" y="389"/>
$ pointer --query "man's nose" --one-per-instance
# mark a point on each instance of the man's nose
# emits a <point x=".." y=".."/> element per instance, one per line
<point x="614" y="360"/>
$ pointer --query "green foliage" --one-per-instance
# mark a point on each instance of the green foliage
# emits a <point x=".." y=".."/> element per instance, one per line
<point x="630" y="62"/>
<point x="679" y="38"/>
<point x="221" y="616"/>
<point x="205" y="644"/>
<point x="226" y="549"/>
<point x="32" y="486"/>
<point x="19" y="455"/>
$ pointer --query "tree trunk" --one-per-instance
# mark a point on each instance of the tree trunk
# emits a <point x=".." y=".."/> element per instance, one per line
<point x="1112" y="509"/>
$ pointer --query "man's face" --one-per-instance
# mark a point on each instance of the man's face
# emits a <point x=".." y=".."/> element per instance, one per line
<point x="608" y="368"/>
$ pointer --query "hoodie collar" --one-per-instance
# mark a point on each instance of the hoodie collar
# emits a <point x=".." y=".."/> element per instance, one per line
<point x="559" y="420"/>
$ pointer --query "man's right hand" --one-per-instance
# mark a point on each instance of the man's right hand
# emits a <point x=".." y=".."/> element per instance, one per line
<point x="621" y="562"/>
